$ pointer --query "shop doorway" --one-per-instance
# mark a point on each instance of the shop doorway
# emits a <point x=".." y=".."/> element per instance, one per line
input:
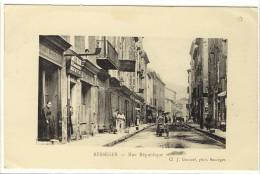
<point x="72" y="119"/>
<point x="85" y="109"/>
<point x="48" y="91"/>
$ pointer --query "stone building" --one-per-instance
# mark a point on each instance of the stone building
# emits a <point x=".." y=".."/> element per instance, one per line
<point x="190" y="79"/>
<point x="207" y="81"/>
<point x="181" y="109"/>
<point x="150" y="107"/>
<point x="92" y="76"/>
<point x="170" y="102"/>
<point x="52" y="84"/>
<point x="124" y="89"/>
<point x="217" y="82"/>
<point x="158" y="91"/>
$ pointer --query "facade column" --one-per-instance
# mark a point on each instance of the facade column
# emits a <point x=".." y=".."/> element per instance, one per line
<point x="78" y="104"/>
<point x="65" y="92"/>
<point x="43" y="88"/>
<point x="93" y="110"/>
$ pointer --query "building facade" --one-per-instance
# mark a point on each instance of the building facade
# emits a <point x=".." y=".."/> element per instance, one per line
<point x="217" y="82"/>
<point x="181" y="109"/>
<point x="207" y="81"/>
<point x="150" y="107"/>
<point x="87" y="78"/>
<point x="156" y="92"/>
<point x="189" y="93"/>
<point x="170" y="102"/>
<point x="52" y="84"/>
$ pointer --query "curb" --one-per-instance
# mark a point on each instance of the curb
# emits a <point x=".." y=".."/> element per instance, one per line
<point x="214" y="136"/>
<point x="126" y="137"/>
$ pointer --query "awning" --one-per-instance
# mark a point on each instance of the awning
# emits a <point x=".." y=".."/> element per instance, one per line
<point x="222" y="94"/>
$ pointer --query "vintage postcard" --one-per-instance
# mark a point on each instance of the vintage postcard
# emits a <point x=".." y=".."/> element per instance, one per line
<point x="130" y="87"/>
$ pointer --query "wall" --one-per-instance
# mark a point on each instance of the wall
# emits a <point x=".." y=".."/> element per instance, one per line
<point x="149" y="88"/>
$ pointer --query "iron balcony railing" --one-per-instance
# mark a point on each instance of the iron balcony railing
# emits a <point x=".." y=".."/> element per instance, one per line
<point x="109" y="52"/>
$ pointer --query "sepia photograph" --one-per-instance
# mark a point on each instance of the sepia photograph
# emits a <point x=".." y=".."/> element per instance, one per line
<point x="111" y="91"/>
<point x="130" y="88"/>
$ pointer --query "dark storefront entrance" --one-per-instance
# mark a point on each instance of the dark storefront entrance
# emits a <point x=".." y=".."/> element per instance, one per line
<point x="85" y="111"/>
<point x="50" y="79"/>
<point x="49" y="90"/>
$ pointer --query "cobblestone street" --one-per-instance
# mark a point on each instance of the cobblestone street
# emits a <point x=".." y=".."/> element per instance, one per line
<point x="180" y="138"/>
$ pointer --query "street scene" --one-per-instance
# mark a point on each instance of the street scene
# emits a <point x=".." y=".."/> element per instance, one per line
<point x="118" y="91"/>
<point x="181" y="138"/>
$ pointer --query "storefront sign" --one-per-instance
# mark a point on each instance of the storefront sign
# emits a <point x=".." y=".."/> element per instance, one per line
<point x="127" y="65"/>
<point x="74" y="66"/>
<point x="88" y="77"/>
<point x="50" y="54"/>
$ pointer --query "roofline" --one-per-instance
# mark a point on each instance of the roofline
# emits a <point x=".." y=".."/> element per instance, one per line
<point x="170" y="89"/>
<point x="144" y="55"/>
<point x="154" y="75"/>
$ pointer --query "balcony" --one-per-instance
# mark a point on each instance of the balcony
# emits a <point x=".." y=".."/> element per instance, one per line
<point x="108" y="58"/>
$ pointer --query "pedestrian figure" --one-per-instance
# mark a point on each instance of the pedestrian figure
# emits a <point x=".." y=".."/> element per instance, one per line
<point x="92" y="123"/>
<point x="114" y="121"/>
<point x="160" y="122"/>
<point x="150" y="118"/>
<point x="69" y="123"/>
<point x="167" y="121"/>
<point x="123" y="121"/>
<point x="48" y="126"/>
<point x="137" y="120"/>
<point x="120" y="120"/>
<point x="208" y="120"/>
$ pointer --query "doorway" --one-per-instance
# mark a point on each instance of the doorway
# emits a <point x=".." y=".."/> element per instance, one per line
<point x="72" y="123"/>
<point x="85" y="109"/>
<point x="48" y="91"/>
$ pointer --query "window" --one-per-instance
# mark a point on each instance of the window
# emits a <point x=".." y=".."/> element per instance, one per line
<point x="79" y="43"/>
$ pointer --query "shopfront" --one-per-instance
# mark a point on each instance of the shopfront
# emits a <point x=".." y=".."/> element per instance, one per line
<point x="49" y="87"/>
<point x="88" y="108"/>
<point x="73" y="65"/>
<point x="104" y="101"/>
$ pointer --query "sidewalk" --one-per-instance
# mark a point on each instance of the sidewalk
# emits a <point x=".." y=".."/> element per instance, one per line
<point x="108" y="139"/>
<point x="218" y="134"/>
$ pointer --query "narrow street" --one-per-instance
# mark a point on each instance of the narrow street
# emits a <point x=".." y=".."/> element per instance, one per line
<point x="181" y="138"/>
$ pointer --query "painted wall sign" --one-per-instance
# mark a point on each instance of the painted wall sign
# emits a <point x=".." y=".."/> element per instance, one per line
<point x="127" y="65"/>
<point x="88" y="77"/>
<point x="50" y="54"/>
<point x="74" y="66"/>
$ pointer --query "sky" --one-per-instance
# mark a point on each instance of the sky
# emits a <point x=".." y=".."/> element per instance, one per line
<point x="170" y="58"/>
